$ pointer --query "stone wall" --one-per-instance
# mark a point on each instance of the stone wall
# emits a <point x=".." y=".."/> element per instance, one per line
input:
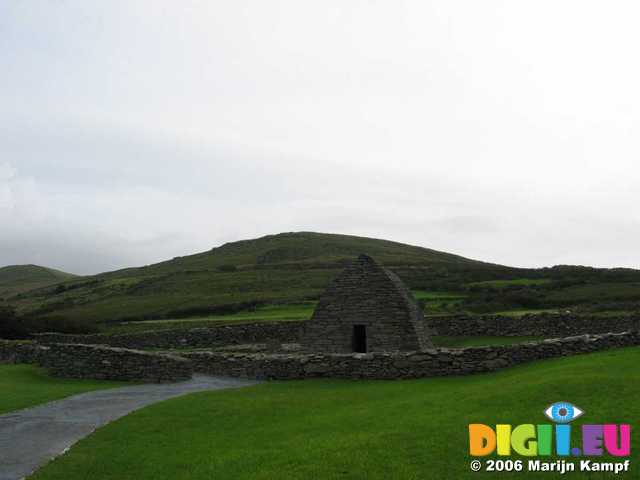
<point x="107" y="359"/>
<point x="543" y="325"/>
<point x="428" y="363"/>
<point x="102" y="362"/>
<point x="18" y="352"/>
<point x="98" y="362"/>
<point x="280" y="332"/>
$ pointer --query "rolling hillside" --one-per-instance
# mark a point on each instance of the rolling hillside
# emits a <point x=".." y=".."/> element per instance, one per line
<point x="284" y="267"/>
<point x="303" y="249"/>
<point x="296" y="267"/>
<point x="16" y="279"/>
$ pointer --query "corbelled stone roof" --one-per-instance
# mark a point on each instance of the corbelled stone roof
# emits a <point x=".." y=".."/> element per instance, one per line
<point x="370" y="296"/>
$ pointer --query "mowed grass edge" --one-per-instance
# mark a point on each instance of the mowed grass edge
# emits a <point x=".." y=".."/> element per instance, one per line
<point x="23" y="386"/>
<point x="325" y="429"/>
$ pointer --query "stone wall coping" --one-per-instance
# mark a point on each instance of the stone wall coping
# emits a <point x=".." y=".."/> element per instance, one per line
<point x="396" y="365"/>
<point x="427" y="352"/>
<point x="169" y="331"/>
<point x="100" y="361"/>
<point x="106" y="348"/>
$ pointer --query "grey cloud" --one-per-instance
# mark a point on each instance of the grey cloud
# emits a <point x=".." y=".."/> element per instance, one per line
<point x="131" y="134"/>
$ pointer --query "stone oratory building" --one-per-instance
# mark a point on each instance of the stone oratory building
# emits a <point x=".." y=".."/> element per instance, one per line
<point x="367" y="308"/>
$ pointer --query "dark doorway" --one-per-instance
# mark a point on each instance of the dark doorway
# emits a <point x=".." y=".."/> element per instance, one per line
<point x="359" y="340"/>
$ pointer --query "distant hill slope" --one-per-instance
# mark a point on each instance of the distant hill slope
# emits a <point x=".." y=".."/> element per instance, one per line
<point x="309" y="249"/>
<point x="16" y="279"/>
<point x="292" y="267"/>
<point x="283" y="267"/>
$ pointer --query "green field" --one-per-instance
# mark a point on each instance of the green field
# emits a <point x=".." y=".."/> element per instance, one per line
<point x="176" y="295"/>
<point x="288" y="267"/>
<point x="327" y="429"/>
<point x="439" y="303"/>
<point x="597" y="292"/>
<point x="23" y="386"/>
<point x="434" y="305"/>
<point x="294" y="268"/>
<point x="435" y="296"/>
<point x="268" y="313"/>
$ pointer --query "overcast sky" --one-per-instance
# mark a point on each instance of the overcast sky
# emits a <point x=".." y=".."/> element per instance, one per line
<point x="136" y="131"/>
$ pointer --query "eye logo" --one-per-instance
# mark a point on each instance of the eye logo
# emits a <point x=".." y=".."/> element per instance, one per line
<point x="563" y="412"/>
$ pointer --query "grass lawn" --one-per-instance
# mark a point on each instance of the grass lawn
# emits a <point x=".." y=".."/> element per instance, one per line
<point x="23" y="386"/>
<point x="458" y="342"/>
<point x="327" y="429"/>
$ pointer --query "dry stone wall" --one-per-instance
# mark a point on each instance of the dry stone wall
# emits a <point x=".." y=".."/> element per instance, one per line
<point x="101" y="362"/>
<point x="98" y="362"/>
<point x="427" y="363"/>
<point x="95" y="361"/>
<point x="18" y="352"/>
<point x="543" y="325"/>
<point x="281" y="332"/>
<point x="107" y="359"/>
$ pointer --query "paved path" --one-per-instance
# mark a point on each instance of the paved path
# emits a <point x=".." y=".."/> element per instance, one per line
<point x="29" y="438"/>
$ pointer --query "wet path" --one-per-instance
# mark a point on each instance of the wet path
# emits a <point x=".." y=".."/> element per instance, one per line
<point x="30" y="438"/>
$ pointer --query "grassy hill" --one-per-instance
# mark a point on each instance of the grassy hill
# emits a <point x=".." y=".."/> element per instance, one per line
<point x="16" y="279"/>
<point x="287" y="267"/>
<point x="294" y="268"/>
